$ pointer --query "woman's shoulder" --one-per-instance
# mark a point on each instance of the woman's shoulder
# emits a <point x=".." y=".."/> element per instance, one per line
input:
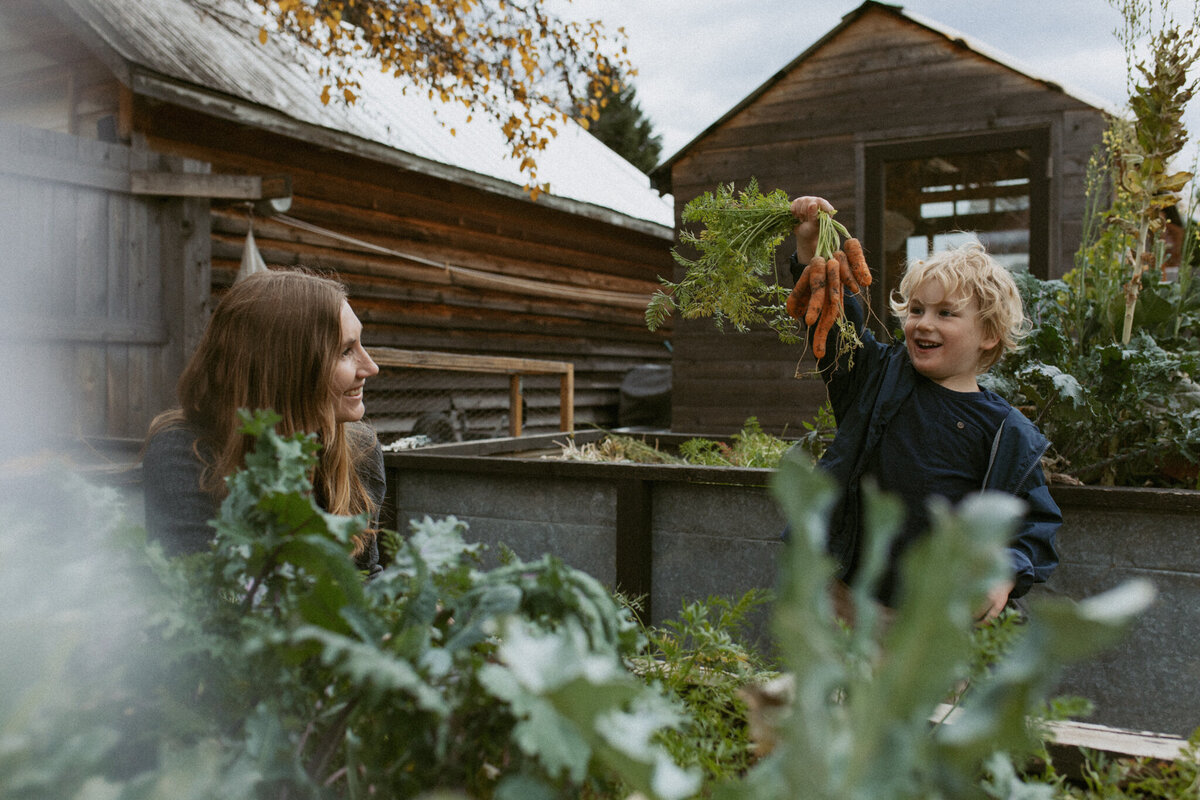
<point x="365" y="448"/>
<point x="170" y="439"/>
<point x="175" y="453"/>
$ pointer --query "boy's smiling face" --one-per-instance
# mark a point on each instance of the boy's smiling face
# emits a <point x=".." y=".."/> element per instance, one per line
<point x="945" y="337"/>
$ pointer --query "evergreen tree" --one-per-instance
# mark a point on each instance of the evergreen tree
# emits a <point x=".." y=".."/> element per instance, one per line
<point x="623" y="127"/>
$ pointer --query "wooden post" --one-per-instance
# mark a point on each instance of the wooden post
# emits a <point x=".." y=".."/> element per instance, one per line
<point x="566" y="400"/>
<point x="515" y="412"/>
<point x="634" y="544"/>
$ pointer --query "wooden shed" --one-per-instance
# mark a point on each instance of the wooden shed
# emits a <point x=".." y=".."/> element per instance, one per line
<point x="143" y="140"/>
<point x="913" y="132"/>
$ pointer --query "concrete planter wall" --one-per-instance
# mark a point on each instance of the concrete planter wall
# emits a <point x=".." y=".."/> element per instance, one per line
<point x="677" y="533"/>
<point x="662" y="532"/>
<point x="1109" y="535"/>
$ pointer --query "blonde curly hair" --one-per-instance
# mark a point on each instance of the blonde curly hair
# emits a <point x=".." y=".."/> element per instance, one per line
<point x="968" y="271"/>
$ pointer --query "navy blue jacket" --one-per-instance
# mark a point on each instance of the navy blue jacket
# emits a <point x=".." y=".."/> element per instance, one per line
<point x="865" y="398"/>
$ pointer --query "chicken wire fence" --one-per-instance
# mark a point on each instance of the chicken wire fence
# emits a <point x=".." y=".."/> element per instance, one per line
<point x="422" y="398"/>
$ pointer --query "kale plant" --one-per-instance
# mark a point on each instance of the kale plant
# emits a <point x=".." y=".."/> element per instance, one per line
<point x="267" y="668"/>
<point x="1115" y="414"/>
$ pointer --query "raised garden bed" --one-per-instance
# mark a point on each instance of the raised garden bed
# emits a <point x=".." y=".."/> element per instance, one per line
<point x="661" y="532"/>
<point x="672" y="533"/>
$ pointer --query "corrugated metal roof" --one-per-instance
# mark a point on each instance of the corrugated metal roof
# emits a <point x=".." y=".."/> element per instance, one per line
<point x="212" y="47"/>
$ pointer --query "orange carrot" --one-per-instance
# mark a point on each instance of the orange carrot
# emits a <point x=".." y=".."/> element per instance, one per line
<point x="858" y="262"/>
<point x="833" y="282"/>
<point x="797" y="301"/>
<point x="821" y="333"/>
<point x="847" y="278"/>
<point x="817" y="280"/>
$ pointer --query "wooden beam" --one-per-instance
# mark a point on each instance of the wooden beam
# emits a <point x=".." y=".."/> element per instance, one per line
<point x="495" y="365"/>
<point x="1067" y="738"/>
<point x="209" y="185"/>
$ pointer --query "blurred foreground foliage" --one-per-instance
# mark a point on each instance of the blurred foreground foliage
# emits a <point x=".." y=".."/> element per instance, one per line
<point x="267" y="668"/>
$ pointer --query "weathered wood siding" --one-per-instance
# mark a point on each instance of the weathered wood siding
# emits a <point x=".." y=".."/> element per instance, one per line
<point x="407" y="304"/>
<point x="103" y="291"/>
<point x="880" y="79"/>
<point x="587" y="276"/>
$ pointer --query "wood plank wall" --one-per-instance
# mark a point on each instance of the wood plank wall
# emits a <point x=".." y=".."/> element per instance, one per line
<point x="881" y="79"/>
<point x="408" y="304"/>
<point x="93" y="294"/>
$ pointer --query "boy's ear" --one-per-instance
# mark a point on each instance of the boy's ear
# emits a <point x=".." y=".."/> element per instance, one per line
<point x="989" y="342"/>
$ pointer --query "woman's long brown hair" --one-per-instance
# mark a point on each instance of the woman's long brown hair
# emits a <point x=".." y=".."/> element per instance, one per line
<point x="271" y="343"/>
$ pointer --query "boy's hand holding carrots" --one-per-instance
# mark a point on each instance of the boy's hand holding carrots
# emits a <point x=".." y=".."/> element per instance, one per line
<point x="804" y="209"/>
<point x="817" y="295"/>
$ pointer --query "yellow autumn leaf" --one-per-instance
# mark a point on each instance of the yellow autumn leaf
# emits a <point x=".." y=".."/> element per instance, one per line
<point x="1176" y="181"/>
<point x="325" y="94"/>
<point x="262" y="35"/>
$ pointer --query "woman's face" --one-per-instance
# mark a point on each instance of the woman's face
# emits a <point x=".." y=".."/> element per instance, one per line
<point x="351" y="368"/>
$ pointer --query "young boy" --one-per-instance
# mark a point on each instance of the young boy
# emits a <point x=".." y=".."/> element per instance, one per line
<point x="913" y="418"/>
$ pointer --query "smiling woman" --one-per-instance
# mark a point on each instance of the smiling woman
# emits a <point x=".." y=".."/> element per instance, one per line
<point x="283" y="340"/>
<point x="351" y="370"/>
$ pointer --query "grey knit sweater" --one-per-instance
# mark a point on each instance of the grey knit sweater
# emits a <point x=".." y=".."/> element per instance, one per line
<point x="178" y="511"/>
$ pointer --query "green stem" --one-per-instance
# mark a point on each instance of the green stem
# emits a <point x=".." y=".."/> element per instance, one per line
<point x="1135" y="282"/>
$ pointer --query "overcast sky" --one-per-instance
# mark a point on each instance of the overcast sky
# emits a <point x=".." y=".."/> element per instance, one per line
<point x="696" y="59"/>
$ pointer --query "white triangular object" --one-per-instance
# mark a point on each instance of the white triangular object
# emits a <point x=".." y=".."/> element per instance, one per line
<point x="252" y="260"/>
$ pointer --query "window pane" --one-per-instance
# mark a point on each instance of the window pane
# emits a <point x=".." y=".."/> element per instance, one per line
<point x="931" y="202"/>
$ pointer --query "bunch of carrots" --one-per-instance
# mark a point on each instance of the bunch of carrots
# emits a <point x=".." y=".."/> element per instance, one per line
<point x="733" y="275"/>
<point x="816" y="298"/>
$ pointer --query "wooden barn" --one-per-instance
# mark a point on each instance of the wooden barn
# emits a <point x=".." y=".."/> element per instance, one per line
<point x="912" y="132"/>
<point x="142" y="141"/>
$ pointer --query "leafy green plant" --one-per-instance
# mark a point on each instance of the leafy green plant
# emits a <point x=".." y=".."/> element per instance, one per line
<point x="268" y="668"/>
<point x="859" y="724"/>
<point x="733" y="278"/>
<point x="1107" y="778"/>
<point x="1142" y="149"/>
<point x="751" y="447"/>
<point x="819" y="432"/>
<point x="699" y="658"/>
<point x="1107" y="369"/>
<point x="1116" y="414"/>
